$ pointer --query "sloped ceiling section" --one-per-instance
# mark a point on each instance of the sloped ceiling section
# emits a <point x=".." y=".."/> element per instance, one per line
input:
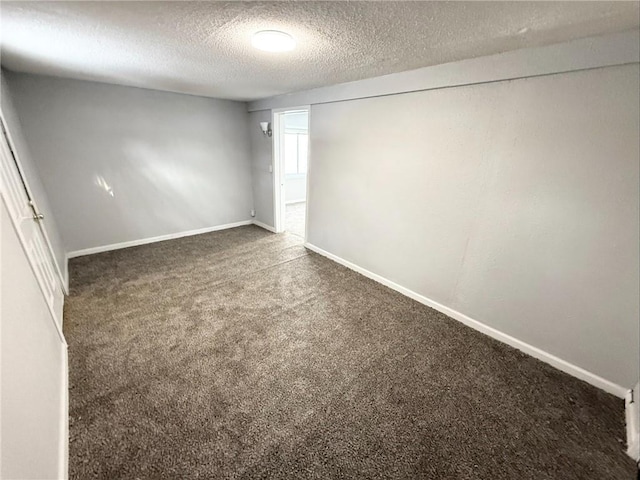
<point x="203" y="48"/>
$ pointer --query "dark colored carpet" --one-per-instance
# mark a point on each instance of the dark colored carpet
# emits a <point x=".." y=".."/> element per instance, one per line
<point x="240" y="354"/>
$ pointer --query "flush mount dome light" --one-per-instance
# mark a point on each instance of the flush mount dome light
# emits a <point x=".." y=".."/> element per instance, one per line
<point x="273" y="41"/>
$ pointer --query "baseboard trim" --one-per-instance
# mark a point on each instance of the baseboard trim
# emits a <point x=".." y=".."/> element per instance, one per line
<point x="63" y="460"/>
<point x="264" y="225"/>
<point x="161" y="238"/>
<point x="632" y="416"/>
<point x="66" y="274"/>
<point x="535" y="352"/>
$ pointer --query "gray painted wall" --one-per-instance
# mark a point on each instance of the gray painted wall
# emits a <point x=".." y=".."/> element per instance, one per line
<point x="122" y="164"/>
<point x="32" y="385"/>
<point x="261" y="158"/>
<point x="31" y="172"/>
<point x="515" y="203"/>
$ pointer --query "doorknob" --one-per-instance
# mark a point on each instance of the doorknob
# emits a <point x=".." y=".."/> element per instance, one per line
<point x="36" y="216"/>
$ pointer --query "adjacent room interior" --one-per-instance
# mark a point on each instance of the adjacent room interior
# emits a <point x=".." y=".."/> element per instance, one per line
<point x="294" y="141"/>
<point x="320" y="240"/>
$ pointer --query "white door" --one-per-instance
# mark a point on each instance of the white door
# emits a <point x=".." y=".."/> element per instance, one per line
<point x="28" y="223"/>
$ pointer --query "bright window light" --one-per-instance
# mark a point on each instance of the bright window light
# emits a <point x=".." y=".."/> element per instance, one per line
<point x="273" y="41"/>
<point x="296" y="146"/>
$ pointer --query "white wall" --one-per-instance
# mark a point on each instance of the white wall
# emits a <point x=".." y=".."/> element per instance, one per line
<point x="121" y="164"/>
<point x="514" y="203"/>
<point x="31" y="172"/>
<point x="32" y="414"/>
<point x="295" y="188"/>
<point x="261" y="160"/>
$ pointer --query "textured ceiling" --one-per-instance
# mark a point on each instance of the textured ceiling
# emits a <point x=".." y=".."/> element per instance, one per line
<point x="203" y="48"/>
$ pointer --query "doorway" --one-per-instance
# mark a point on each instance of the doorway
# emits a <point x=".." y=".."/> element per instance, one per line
<point x="291" y="151"/>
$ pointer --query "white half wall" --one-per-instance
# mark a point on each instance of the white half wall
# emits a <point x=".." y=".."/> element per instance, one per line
<point x="120" y="164"/>
<point x="514" y="203"/>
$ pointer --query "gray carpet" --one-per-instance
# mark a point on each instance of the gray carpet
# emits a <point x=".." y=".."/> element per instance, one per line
<point x="239" y="354"/>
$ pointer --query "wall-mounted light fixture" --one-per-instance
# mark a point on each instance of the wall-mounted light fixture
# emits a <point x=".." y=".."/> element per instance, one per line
<point x="266" y="128"/>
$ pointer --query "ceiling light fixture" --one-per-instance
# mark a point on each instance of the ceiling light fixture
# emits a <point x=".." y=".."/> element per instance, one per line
<point x="273" y="41"/>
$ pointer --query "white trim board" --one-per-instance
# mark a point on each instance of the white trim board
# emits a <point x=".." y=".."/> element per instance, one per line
<point x="264" y="225"/>
<point x="63" y="452"/>
<point x="632" y="417"/>
<point x="66" y="273"/>
<point x="586" y="53"/>
<point x="161" y="238"/>
<point x="535" y="352"/>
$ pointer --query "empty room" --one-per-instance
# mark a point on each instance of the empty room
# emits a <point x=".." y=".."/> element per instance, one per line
<point x="319" y="240"/>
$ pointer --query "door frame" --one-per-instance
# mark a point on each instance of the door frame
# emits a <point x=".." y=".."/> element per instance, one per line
<point x="277" y="127"/>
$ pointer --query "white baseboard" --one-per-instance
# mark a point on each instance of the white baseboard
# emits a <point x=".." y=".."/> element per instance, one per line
<point x="63" y="452"/>
<point x="265" y="226"/>
<point x="632" y="415"/>
<point x="144" y="241"/>
<point x="546" y="357"/>
<point x="66" y="274"/>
